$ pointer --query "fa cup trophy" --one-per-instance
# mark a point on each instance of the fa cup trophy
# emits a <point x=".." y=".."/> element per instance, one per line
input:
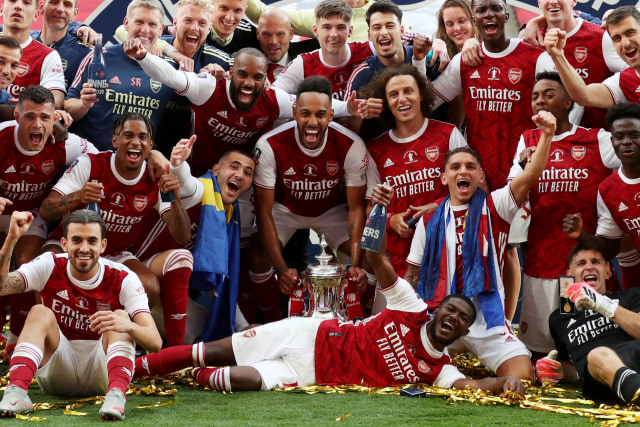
<point x="325" y="284"/>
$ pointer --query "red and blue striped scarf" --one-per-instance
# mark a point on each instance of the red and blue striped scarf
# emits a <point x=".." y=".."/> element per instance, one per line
<point x="479" y="259"/>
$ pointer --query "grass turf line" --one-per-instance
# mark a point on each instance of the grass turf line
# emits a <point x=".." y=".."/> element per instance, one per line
<point x="196" y="407"/>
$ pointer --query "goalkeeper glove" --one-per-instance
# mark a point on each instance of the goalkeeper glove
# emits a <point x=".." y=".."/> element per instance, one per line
<point x="584" y="296"/>
<point x="548" y="369"/>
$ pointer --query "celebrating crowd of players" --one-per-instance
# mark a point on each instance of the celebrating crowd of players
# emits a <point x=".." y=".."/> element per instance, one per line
<point x="318" y="126"/>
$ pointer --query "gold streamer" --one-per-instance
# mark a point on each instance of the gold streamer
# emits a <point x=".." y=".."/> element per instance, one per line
<point x="536" y="398"/>
<point x="155" y="405"/>
<point x="70" y="412"/>
<point x="148" y="388"/>
<point x="29" y="418"/>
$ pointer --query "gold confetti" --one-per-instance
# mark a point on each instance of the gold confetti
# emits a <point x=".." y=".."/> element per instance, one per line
<point x="29" y="418"/>
<point x="70" y="412"/>
<point x="469" y="365"/>
<point x="536" y="398"/>
<point x="155" y="405"/>
<point x="343" y="418"/>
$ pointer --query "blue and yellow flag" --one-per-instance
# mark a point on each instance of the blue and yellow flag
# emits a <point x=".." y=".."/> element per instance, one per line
<point x="216" y="259"/>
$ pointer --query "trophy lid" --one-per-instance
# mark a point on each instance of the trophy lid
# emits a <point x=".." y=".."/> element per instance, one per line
<point x="324" y="268"/>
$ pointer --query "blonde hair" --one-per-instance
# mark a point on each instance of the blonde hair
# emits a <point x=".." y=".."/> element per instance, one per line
<point x="202" y="4"/>
<point x="148" y="4"/>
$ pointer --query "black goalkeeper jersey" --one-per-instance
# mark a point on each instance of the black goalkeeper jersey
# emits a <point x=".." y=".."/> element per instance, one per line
<point x="575" y="336"/>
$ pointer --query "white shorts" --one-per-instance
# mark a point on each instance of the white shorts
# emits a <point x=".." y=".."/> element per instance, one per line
<point x="37" y="228"/>
<point x="334" y="224"/>
<point x="76" y="368"/>
<point x="519" y="231"/>
<point x="492" y="351"/>
<point x="540" y="297"/>
<point x="247" y="213"/>
<point x="283" y="352"/>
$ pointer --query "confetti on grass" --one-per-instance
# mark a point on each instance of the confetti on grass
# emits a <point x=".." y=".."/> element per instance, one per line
<point x="544" y="398"/>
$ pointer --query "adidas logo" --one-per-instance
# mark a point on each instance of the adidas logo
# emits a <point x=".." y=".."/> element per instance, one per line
<point x="223" y="114"/>
<point x="638" y="89"/>
<point x="622" y="207"/>
<point x="10" y="169"/>
<point x="115" y="80"/>
<point x="404" y="329"/>
<point x="571" y="322"/>
<point x="388" y="163"/>
<point x="475" y="75"/>
<point x="63" y="294"/>
<point x="290" y="171"/>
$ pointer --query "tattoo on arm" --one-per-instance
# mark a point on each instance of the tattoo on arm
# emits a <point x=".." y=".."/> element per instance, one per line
<point x="66" y="201"/>
<point x="12" y="284"/>
<point x="51" y="209"/>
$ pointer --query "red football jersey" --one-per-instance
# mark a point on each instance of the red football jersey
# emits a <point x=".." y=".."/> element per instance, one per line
<point x="624" y="86"/>
<point x="221" y="127"/>
<point x="584" y="51"/>
<point x="40" y="65"/>
<point x="569" y="184"/>
<point x="307" y="181"/>
<point x="126" y="203"/>
<point x="412" y="166"/>
<point x="156" y="238"/>
<point x="618" y="207"/>
<point x="387" y="349"/>
<point x="499" y="227"/>
<point x="26" y="177"/>
<point x="497" y="102"/>
<point x="502" y="208"/>
<point x="313" y="64"/>
<point x="73" y="302"/>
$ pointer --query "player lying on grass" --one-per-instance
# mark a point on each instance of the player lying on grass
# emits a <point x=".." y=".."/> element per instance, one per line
<point x="401" y="345"/>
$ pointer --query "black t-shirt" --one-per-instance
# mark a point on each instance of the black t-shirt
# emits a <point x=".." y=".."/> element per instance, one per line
<point x="575" y="336"/>
<point x="243" y="36"/>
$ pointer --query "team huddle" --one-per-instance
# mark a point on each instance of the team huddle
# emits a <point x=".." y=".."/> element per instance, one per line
<point x="187" y="185"/>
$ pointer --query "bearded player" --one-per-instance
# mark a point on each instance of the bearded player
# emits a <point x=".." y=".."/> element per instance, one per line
<point x="80" y="340"/>
<point x="29" y="165"/>
<point x="410" y="156"/>
<point x="302" y="351"/>
<point x="119" y="183"/>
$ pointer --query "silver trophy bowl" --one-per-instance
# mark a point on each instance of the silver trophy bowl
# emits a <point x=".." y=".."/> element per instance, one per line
<point x="325" y="284"/>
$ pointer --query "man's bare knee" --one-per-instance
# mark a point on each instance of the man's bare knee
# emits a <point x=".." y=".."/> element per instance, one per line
<point x="40" y="315"/>
<point x="602" y="364"/>
<point x="518" y="366"/>
<point x="110" y="337"/>
<point x="603" y="359"/>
